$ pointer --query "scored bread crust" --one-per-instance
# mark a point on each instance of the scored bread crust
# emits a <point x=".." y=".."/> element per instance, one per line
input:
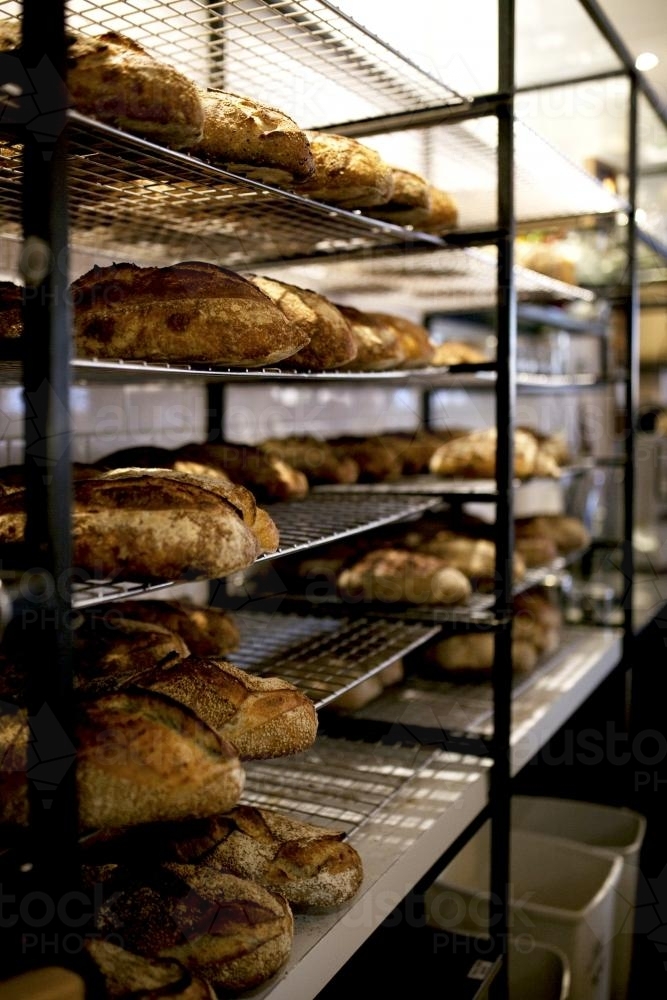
<point x="399" y="576"/>
<point x="206" y="631"/>
<point x="232" y="932"/>
<point x="183" y="312"/>
<point x="262" y="717"/>
<point x="379" y="345"/>
<point x="474" y="455"/>
<point x="126" y="975"/>
<point x="252" y="139"/>
<point x="142" y="758"/>
<point x="114" y="79"/>
<point x="347" y="173"/>
<point x="414" y="339"/>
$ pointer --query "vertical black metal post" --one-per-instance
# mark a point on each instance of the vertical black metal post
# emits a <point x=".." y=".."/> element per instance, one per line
<point x="215" y="412"/>
<point x="51" y="848"/>
<point x="500" y="781"/>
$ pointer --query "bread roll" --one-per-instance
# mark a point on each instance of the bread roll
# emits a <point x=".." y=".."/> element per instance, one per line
<point x="379" y="343"/>
<point x="330" y="339"/>
<point x="142" y="758"/>
<point x="206" y="631"/>
<point x="568" y="533"/>
<point x="232" y="932"/>
<point x="471" y="655"/>
<point x="192" y="311"/>
<point x="347" y="173"/>
<point x="474" y="455"/>
<point x="248" y="138"/>
<point x="315" y="457"/>
<point x="112" y="78"/>
<point x="127" y="976"/>
<point x="268" y="477"/>
<point x="457" y="352"/>
<point x="413" y="338"/>
<point x="261" y="716"/>
<point x="398" y="576"/>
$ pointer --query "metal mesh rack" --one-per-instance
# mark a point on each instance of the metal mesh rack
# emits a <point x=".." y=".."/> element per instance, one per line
<point x="324" y="657"/>
<point x="304" y="56"/>
<point x="336" y="780"/>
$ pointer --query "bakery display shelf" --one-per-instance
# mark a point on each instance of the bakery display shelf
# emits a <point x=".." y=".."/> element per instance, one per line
<point x="261" y="47"/>
<point x="324" y="656"/>
<point x="427" y="709"/>
<point x="577" y="319"/>
<point x="401" y="807"/>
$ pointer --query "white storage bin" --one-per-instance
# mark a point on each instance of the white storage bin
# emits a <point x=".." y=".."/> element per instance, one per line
<point x="561" y="893"/>
<point x="617" y="830"/>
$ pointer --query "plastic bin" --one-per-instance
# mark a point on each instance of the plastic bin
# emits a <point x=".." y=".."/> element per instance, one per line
<point x="561" y="894"/>
<point x="617" y="830"/>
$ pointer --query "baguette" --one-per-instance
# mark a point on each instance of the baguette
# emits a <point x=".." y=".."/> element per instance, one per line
<point x="395" y="575"/>
<point x="347" y="173"/>
<point x="206" y="631"/>
<point x="127" y="976"/>
<point x="112" y="78"/>
<point x="254" y="140"/>
<point x="180" y="313"/>
<point x="260" y="716"/>
<point x="142" y="758"/>
<point x="232" y="932"/>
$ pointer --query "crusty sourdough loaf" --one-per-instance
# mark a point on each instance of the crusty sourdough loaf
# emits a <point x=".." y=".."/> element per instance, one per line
<point x="190" y="311"/>
<point x="409" y="203"/>
<point x="142" y="758"/>
<point x="378" y="458"/>
<point x="114" y="79"/>
<point x="330" y="339"/>
<point x="261" y="717"/>
<point x="379" y="343"/>
<point x="312" y="866"/>
<point x="414" y="339"/>
<point x="470" y="655"/>
<point x="474" y="557"/>
<point x="567" y="533"/>
<point x="206" y="631"/>
<point x="536" y="551"/>
<point x="443" y="213"/>
<point x="474" y="455"/>
<point x="457" y="352"/>
<point x="246" y="137"/>
<point x="347" y="173"/>
<point x="268" y="477"/>
<point x="128" y="976"/>
<point x="399" y="576"/>
<point x="314" y="457"/>
<point x="232" y="932"/>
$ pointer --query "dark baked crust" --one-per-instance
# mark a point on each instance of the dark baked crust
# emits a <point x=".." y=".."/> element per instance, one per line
<point x="11" y="310"/>
<point x="347" y="173"/>
<point x="206" y="631"/>
<point x="184" y="312"/>
<point x="268" y="477"/>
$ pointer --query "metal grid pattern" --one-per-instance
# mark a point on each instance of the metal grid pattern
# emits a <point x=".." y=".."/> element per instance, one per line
<point x="336" y="780"/>
<point x="154" y="206"/>
<point x="304" y="56"/>
<point x="324" y="657"/>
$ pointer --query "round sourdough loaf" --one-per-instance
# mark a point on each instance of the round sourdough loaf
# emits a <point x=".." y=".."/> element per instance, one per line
<point x="114" y="79"/>
<point x="126" y="975"/>
<point x="414" y="339"/>
<point x="192" y="311"/>
<point x="206" y="631"/>
<point x="347" y="173"/>
<point x="231" y="931"/>
<point x="251" y="139"/>
<point x="379" y="345"/>
<point x="331" y="341"/>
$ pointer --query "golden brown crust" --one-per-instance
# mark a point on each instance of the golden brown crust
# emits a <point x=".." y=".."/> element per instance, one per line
<point x="474" y="455"/>
<point x="128" y="976"/>
<point x="142" y="758"/>
<point x="347" y="173"/>
<point x="261" y="716"/>
<point x="474" y="557"/>
<point x="536" y="551"/>
<point x="443" y="212"/>
<point x="206" y="631"/>
<point x="470" y="656"/>
<point x="314" y="457"/>
<point x="379" y="345"/>
<point x="457" y="352"/>
<point x="398" y="576"/>
<point x="568" y="533"/>
<point x="231" y="931"/>
<point x="254" y="140"/>
<point x="191" y="311"/>
<point x="268" y="477"/>
<point x="414" y="339"/>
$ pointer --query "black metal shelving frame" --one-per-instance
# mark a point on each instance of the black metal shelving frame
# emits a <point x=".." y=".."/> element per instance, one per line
<point x="47" y="375"/>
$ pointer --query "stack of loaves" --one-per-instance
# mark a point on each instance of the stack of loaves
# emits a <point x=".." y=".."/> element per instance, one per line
<point x="199" y="886"/>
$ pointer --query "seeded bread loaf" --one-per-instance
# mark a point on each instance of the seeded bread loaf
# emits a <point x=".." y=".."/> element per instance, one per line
<point x="191" y="311"/>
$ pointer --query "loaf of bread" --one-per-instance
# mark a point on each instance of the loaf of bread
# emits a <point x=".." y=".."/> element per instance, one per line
<point x="331" y="342"/>
<point x="191" y="311"/>
<point x="443" y="213"/>
<point x="568" y="534"/>
<point x="110" y="654"/>
<point x="206" y="631"/>
<point x="114" y="79"/>
<point x="398" y="576"/>
<point x="142" y="758"/>
<point x="254" y="140"/>
<point x="409" y="203"/>
<point x="377" y="459"/>
<point x="413" y="338"/>
<point x="260" y="716"/>
<point x="268" y="477"/>
<point x="127" y="976"/>
<point x="347" y="173"/>
<point x="474" y="455"/>
<point x="413" y="449"/>
<point x="232" y="932"/>
<point x="369" y="689"/>
<point x="536" y="551"/>
<point x="457" y="352"/>
<point x="379" y="343"/>
<point x="313" y="456"/>
<point x="474" y="557"/>
<point x="469" y="655"/>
